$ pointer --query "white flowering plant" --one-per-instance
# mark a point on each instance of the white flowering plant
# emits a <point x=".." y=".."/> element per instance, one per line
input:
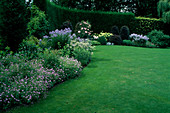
<point x="138" y="39"/>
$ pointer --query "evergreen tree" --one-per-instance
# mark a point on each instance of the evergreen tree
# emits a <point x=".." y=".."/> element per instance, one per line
<point x="13" y="22"/>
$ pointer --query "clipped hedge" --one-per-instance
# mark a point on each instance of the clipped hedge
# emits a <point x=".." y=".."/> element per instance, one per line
<point x="143" y="25"/>
<point x="101" y="21"/>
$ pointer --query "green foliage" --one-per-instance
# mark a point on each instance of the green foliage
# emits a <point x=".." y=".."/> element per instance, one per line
<point x="159" y="39"/>
<point x="124" y="32"/>
<point x="82" y="55"/>
<point x="166" y="17"/>
<point x="115" y="30"/>
<point x="127" y="43"/>
<point x="94" y="42"/>
<point x="3" y="53"/>
<point x="143" y="25"/>
<point x="116" y="39"/>
<point x="164" y="10"/>
<point x="29" y="48"/>
<point x="50" y="58"/>
<point x="100" y="21"/>
<point x="13" y="22"/>
<point x="139" y="7"/>
<point x="102" y="40"/>
<point x="38" y="25"/>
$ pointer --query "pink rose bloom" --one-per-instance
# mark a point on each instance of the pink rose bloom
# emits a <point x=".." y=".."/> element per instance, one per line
<point x="79" y="31"/>
<point x="85" y="31"/>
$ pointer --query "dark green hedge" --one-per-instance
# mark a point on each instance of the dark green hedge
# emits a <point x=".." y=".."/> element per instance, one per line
<point x="101" y="21"/>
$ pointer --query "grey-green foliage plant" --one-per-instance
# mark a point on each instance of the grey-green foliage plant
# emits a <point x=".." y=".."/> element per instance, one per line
<point x="164" y="10"/>
<point x="38" y="25"/>
<point x="159" y="38"/>
<point x="50" y="58"/>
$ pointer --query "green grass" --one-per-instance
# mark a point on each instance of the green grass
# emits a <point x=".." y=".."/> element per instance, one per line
<point x="119" y="79"/>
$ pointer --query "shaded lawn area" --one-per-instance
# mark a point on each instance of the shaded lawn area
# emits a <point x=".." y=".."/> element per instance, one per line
<point x="119" y="79"/>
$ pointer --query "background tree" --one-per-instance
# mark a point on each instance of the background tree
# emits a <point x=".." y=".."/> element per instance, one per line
<point x="13" y="22"/>
<point x="164" y="10"/>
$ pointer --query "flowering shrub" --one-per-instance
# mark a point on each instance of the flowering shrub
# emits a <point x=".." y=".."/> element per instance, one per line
<point x="57" y="39"/>
<point x="22" y="83"/>
<point x="82" y="29"/>
<point x="139" y="39"/>
<point x="70" y="66"/>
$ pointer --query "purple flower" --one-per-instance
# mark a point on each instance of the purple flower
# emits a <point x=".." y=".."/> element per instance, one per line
<point x="45" y="36"/>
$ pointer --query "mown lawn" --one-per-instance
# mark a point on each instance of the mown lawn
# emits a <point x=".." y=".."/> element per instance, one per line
<point x="119" y="79"/>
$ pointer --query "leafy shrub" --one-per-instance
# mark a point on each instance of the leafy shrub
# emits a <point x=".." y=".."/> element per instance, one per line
<point x="82" y="29"/>
<point x="38" y="25"/>
<point x="159" y="39"/>
<point x="139" y="40"/>
<point x="3" y="53"/>
<point x="115" y="30"/>
<point x="70" y="66"/>
<point x="29" y="48"/>
<point x="124" y="32"/>
<point x="67" y="24"/>
<point x="128" y="43"/>
<point x="102" y="40"/>
<point x="116" y="39"/>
